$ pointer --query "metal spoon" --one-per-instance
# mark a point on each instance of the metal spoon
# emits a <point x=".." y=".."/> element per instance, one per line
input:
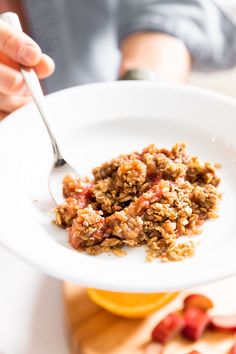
<point x="60" y="166"/>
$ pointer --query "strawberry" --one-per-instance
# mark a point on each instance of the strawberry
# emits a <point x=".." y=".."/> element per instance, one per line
<point x="167" y="328"/>
<point x="233" y="349"/>
<point x="196" y="322"/>
<point x="198" y="300"/>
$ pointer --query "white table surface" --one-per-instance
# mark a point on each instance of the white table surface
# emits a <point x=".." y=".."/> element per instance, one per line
<point x="31" y="310"/>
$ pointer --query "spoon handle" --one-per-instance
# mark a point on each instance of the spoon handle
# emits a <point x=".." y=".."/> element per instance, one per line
<point x="34" y="86"/>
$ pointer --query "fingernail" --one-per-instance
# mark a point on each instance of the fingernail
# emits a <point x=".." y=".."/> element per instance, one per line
<point x="29" y="53"/>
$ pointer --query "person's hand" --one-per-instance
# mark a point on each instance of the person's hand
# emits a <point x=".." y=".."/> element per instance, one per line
<point x="18" y="48"/>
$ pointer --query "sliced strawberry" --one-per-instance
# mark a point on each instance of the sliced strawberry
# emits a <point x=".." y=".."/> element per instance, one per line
<point x="233" y="349"/>
<point x="196" y="322"/>
<point x="168" y="327"/>
<point x="224" y="323"/>
<point x="198" y="300"/>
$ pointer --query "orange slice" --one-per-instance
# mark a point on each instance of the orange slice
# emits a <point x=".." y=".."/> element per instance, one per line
<point x="130" y="305"/>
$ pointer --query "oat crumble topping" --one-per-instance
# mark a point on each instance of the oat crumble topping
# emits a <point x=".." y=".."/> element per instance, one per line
<point x="149" y="198"/>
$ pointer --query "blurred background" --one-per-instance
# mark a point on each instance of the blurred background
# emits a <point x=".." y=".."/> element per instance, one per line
<point x="224" y="81"/>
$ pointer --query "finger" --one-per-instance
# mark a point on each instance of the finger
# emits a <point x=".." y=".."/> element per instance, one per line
<point x="11" y="80"/>
<point x="45" y="67"/>
<point x="11" y="103"/>
<point x="9" y="62"/>
<point x="3" y="115"/>
<point x="18" y="46"/>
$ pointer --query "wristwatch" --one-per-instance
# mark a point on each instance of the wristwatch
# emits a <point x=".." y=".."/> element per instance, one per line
<point x="140" y="74"/>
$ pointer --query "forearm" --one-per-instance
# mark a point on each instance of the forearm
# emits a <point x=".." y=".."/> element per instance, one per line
<point x="207" y="30"/>
<point x="161" y="53"/>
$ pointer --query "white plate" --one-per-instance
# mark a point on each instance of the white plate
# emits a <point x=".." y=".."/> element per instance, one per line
<point x="94" y="123"/>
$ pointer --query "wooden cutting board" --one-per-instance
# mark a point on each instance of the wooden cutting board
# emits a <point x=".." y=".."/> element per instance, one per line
<point x="92" y="330"/>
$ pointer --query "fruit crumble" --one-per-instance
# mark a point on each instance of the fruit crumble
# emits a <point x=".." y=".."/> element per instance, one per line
<point x="148" y="198"/>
